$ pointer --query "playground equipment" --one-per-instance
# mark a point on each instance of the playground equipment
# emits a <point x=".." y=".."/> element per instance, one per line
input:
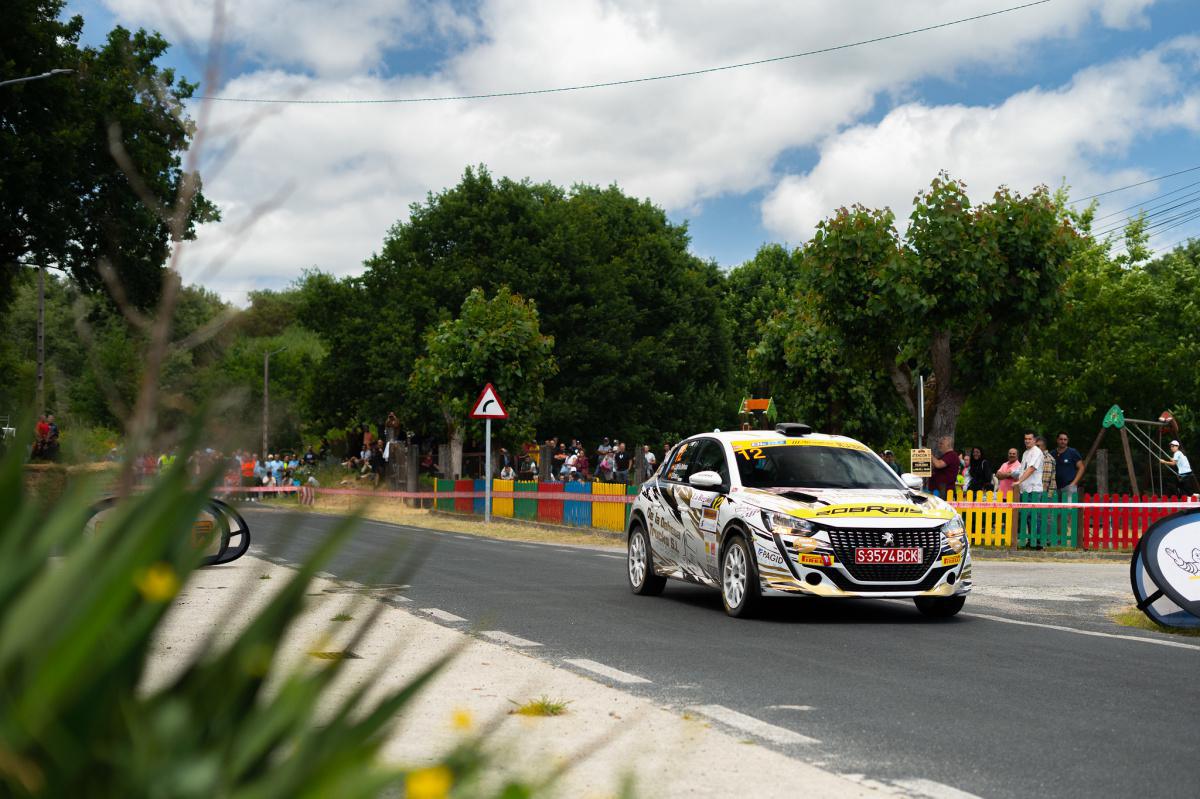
<point x="1140" y="431"/>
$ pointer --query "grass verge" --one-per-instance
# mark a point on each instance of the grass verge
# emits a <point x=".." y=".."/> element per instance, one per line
<point x="1132" y="617"/>
<point x="395" y="512"/>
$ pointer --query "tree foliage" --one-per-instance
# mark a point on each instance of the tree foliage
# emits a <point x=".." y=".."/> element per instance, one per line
<point x="1123" y="336"/>
<point x="64" y="199"/>
<point x="955" y="297"/>
<point x="497" y="341"/>
<point x="641" y="337"/>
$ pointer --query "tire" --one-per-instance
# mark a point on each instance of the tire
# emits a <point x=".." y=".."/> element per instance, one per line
<point x="640" y="564"/>
<point x="937" y="607"/>
<point x="741" y="591"/>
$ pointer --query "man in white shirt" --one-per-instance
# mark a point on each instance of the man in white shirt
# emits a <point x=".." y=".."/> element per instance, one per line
<point x="1031" y="465"/>
<point x="1030" y="480"/>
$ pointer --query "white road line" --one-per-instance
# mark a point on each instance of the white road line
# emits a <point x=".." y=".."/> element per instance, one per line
<point x="441" y="614"/>
<point x="606" y="671"/>
<point x="1061" y="628"/>
<point x="562" y="549"/>
<point x="789" y="707"/>
<point x="327" y="575"/>
<point x="506" y="638"/>
<point x="529" y="546"/>
<point x="762" y="729"/>
<point x="616" y="557"/>
<point x="465" y="537"/>
<point x="398" y="598"/>
<point x="931" y="789"/>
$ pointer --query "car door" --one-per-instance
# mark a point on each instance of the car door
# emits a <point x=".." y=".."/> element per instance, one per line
<point x="666" y="516"/>
<point x="701" y="520"/>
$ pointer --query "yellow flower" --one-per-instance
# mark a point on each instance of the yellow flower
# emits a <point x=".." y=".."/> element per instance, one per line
<point x="428" y="783"/>
<point x="158" y="583"/>
<point x="461" y="719"/>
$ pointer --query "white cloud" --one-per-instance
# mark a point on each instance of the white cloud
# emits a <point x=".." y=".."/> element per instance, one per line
<point x="356" y="168"/>
<point x="1035" y="137"/>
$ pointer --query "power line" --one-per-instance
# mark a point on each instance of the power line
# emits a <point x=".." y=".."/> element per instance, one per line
<point x="1135" y="185"/>
<point x="628" y="81"/>
<point x="1151" y="205"/>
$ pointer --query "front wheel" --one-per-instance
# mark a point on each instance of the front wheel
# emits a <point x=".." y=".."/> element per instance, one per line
<point x="740" y="590"/>
<point x="939" y="607"/>
<point x="642" y="579"/>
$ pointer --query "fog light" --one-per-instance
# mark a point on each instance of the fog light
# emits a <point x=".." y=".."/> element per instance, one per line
<point x="950" y="578"/>
<point x="812" y="578"/>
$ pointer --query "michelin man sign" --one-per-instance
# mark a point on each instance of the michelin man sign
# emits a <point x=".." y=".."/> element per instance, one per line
<point x="1166" y="570"/>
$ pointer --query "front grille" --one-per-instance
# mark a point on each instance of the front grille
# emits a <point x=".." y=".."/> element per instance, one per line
<point x="846" y="541"/>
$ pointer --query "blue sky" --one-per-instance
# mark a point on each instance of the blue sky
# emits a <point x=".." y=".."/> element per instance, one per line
<point x="1099" y="93"/>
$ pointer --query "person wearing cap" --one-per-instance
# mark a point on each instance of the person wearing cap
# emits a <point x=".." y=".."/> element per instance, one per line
<point x="890" y="459"/>
<point x="1187" y="479"/>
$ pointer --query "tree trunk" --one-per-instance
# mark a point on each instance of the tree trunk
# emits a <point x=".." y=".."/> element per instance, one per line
<point x="456" y="452"/>
<point x="945" y="418"/>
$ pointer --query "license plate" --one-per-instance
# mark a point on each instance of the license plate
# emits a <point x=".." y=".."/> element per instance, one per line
<point x="897" y="555"/>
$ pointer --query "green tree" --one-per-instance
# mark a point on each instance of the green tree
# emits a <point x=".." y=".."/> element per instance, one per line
<point x="754" y="293"/>
<point x="955" y="298"/>
<point x="497" y="341"/>
<point x="641" y="337"/>
<point x="63" y="196"/>
<point x="1123" y="336"/>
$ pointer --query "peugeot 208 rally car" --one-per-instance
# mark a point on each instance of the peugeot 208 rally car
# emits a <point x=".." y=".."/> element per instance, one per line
<point x="789" y="511"/>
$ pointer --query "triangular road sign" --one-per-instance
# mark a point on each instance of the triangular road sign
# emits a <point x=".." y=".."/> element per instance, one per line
<point x="489" y="406"/>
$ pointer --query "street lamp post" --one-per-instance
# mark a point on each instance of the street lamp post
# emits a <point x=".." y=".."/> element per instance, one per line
<point x="266" y="393"/>
<point x="49" y="74"/>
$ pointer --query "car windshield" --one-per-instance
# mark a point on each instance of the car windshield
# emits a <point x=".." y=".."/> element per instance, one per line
<point x="812" y="466"/>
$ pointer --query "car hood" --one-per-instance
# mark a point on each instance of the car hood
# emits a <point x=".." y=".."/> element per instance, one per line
<point x="839" y="506"/>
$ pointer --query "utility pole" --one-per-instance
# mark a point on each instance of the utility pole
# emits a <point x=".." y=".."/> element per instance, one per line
<point x="41" y="341"/>
<point x="41" y="320"/>
<point x="266" y="394"/>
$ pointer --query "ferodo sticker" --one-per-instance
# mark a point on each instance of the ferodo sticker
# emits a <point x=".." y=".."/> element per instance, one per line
<point x="815" y="560"/>
<point x="951" y="560"/>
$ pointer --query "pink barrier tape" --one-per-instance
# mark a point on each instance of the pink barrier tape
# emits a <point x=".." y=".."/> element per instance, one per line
<point x="623" y="499"/>
<point x="627" y="499"/>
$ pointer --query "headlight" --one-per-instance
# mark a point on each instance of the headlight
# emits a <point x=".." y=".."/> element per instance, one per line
<point x="956" y="533"/>
<point x="782" y="523"/>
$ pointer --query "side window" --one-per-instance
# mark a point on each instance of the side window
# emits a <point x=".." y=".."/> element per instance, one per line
<point x="710" y="457"/>
<point x="677" y="470"/>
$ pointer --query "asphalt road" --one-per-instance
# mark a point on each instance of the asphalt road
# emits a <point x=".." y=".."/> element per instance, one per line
<point x="1030" y="691"/>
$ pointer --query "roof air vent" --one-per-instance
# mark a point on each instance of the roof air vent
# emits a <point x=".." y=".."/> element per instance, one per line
<point x="792" y="429"/>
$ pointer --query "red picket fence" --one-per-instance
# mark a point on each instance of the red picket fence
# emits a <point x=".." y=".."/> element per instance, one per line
<point x="550" y="510"/>
<point x="464" y="504"/>
<point x="1120" y="528"/>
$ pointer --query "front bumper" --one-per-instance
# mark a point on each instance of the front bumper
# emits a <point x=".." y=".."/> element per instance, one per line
<point x="824" y="573"/>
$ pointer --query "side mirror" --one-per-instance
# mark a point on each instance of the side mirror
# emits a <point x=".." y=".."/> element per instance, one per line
<point x="708" y="479"/>
<point x="911" y="481"/>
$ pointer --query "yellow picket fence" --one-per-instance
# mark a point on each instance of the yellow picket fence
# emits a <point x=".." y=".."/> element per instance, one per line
<point x="608" y="515"/>
<point x="501" y="506"/>
<point x="990" y="527"/>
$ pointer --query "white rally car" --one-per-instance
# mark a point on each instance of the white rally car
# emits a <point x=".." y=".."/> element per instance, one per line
<point x="789" y="511"/>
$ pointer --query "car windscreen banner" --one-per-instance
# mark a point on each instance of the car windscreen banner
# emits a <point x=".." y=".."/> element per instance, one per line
<point x="1165" y="571"/>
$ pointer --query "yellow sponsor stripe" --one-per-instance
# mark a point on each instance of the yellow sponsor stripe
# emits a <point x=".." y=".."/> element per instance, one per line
<point x="951" y="560"/>
<point x="797" y="442"/>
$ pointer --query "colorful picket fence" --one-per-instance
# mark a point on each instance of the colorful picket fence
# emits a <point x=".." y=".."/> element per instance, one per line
<point x="989" y="527"/>
<point x="1094" y="522"/>
<point x="1107" y="527"/>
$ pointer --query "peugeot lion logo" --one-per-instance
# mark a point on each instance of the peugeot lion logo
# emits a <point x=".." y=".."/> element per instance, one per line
<point x="889" y="539"/>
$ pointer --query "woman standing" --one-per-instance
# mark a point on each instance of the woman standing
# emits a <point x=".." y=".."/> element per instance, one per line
<point x="1008" y="472"/>
<point x="979" y="473"/>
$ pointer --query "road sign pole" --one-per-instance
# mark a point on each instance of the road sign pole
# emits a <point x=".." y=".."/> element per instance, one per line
<point x="487" y="472"/>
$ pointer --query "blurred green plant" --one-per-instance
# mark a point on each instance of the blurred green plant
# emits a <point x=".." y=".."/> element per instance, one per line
<point x="78" y="612"/>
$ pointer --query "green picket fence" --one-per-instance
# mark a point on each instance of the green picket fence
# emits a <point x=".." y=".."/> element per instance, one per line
<point x="1048" y="527"/>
